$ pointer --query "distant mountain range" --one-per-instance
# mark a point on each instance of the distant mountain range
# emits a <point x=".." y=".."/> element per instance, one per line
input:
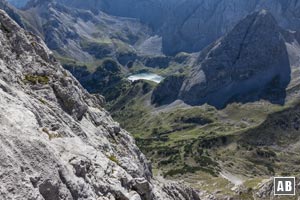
<point x="188" y="25"/>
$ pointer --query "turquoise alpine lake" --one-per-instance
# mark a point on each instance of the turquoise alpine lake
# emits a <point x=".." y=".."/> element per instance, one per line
<point x="146" y="76"/>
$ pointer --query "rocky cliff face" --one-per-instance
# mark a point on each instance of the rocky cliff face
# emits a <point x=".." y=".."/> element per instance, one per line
<point x="249" y="63"/>
<point x="57" y="142"/>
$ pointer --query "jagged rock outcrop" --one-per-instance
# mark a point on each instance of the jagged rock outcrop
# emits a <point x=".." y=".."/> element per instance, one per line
<point x="57" y="142"/>
<point x="250" y="63"/>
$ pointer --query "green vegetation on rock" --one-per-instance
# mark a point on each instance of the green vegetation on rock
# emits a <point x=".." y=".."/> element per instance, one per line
<point x="35" y="79"/>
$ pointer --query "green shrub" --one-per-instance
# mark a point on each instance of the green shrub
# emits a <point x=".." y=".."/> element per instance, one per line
<point x="114" y="159"/>
<point x="42" y="101"/>
<point x="35" y="79"/>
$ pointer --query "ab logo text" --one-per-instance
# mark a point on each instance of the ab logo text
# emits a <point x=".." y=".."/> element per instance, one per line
<point x="284" y="185"/>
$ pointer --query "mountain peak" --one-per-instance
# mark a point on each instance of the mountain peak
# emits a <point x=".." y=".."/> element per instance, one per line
<point x="245" y="61"/>
<point x="263" y="12"/>
<point x="250" y="59"/>
<point x="265" y="15"/>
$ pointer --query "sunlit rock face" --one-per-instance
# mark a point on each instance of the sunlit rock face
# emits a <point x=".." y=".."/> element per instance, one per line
<point x="57" y="141"/>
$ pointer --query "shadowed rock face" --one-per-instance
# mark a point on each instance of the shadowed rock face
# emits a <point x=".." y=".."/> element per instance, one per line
<point x="56" y="140"/>
<point x="249" y="63"/>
